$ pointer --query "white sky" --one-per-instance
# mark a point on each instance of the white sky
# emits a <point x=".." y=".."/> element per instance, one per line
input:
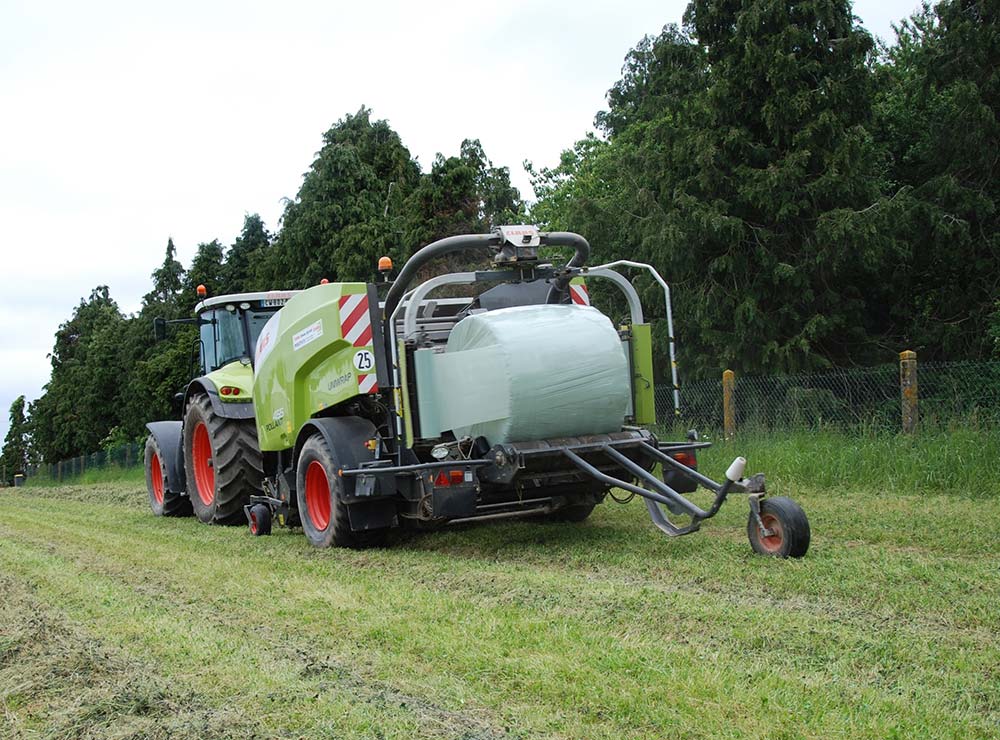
<point x="123" y="123"/>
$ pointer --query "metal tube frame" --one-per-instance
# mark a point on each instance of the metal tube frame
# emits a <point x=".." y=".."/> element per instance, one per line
<point x="606" y="268"/>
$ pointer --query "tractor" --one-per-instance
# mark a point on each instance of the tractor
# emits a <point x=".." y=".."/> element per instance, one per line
<point x="431" y="400"/>
<point x="209" y="462"/>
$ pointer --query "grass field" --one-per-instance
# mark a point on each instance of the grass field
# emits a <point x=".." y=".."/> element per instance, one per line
<point x="114" y="623"/>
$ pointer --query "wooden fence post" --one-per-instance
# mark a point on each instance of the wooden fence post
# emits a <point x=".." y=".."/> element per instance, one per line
<point x="908" y="389"/>
<point x="729" y="403"/>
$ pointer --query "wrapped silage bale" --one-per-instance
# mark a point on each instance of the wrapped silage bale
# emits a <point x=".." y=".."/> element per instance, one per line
<point x="556" y="371"/>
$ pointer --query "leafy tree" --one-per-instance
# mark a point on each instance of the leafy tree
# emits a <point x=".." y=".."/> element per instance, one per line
<point x="168" y="279"/>
<point x="14" y="457"/>
<point x="238" y="271"/>
<point x="206" y="269"/>
<point x="79" y="404"/>
<point x="337" y="226"/>
<point x="938" y="116"/>
<point x="739" y="162"/>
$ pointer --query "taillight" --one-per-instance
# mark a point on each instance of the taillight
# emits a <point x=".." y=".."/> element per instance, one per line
<point x="686" y="458"/>
<point x="450" y="478"/>
<point x="229" y="390"/>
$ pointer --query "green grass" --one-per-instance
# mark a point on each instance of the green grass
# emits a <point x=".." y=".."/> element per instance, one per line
<point x="115" y="623"/>
<point x="92" y="476"/>
<point x="962" y="461"/>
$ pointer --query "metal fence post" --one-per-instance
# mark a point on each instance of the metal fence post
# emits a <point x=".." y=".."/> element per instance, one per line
<point x="908" y="389"/>
<point x="729" y="403"/>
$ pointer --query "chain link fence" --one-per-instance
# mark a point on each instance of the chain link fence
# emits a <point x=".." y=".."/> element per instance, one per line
<point x="857" y="399"/>
<point x="852" y="399"/>
<point x="124" y="457"/>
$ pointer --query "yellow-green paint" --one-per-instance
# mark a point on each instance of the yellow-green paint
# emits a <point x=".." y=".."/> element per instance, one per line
<point x="644" y="401"/>
<point x="235" y="375"/>
<point x="403" y="397"/>
<point x="307" y="367"/>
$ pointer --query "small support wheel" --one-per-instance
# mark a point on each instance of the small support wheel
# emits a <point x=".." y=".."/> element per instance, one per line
<point x="260" y="520"/>
<point x="787" y="525"/>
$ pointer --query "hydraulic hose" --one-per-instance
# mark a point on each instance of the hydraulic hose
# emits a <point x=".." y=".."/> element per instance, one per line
<point x="452" y="244"/>
<point x="441" y="247"/>
<point x="579" y="259"/>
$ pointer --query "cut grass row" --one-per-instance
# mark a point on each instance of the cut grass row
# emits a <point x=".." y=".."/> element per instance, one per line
<point x="887" y="628"/>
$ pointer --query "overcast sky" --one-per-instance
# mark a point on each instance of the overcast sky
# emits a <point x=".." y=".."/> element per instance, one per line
<point x="123" y="123"/>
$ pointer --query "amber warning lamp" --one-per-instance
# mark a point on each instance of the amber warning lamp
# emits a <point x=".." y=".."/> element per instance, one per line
<point x="385" y="267"/>
<point x="202" y="291"/>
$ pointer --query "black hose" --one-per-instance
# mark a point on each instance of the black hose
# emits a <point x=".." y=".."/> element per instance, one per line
<point x="566" y="239"/>
<point x="451" y="244"/>
<point x="439" y="248"/>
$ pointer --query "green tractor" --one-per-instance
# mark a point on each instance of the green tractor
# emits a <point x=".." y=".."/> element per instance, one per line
<point x="461" y="397"/>
<point x="209" y="463"/>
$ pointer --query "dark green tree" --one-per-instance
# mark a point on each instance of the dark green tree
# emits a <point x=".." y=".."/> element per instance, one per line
<point x="206" y="269"/>
<point x="466" y="194"/>
<point x="341" y="220"/>
<point x="14" y="457"/>
<point x="79" y="405"/>
<point x="739" y="162"/>
<point x="938" y="116"/>
<point x="249" y="247"/>
<point x="168" y="278"/>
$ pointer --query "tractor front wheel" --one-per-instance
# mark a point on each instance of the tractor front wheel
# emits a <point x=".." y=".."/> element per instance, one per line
<point x="788" y="526"/>
<point x="162" y="500"/>
<point x="319" y="493"/>
<point x="223" y="463"/>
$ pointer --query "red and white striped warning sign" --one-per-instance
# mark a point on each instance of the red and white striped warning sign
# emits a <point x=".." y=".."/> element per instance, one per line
<point x="579" y="295"/>
<point x="355" y="321"/>
<point x="356" y="328"/>
<point x="367" y="383"/>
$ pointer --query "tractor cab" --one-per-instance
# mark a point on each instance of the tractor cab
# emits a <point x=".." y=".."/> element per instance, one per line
<point x="229" y="325"/>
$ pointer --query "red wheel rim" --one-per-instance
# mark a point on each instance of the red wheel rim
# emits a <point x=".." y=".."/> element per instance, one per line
<point x="156" y="478"/>
<point x="204" y="473"/>
<point x="317" y="495"/>
<point x="774" y="542"/>
<point x="253" y="523"/>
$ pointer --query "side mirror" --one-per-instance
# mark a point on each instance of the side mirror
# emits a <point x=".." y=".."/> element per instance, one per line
<point x="159" y="328"/>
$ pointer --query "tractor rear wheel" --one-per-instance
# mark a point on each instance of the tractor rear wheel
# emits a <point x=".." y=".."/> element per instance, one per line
<point x="320" y="495"/>
<point x="789" y="528"/>
<point x="162" y="500"/>
<point x="223" y="462"/>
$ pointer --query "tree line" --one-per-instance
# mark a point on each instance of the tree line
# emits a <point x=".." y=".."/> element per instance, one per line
<point x="815" y="200"/>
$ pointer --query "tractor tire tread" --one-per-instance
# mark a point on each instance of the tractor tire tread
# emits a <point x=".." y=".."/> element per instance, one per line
<point x="175" y="503"/>
<point x="238" y="463"/>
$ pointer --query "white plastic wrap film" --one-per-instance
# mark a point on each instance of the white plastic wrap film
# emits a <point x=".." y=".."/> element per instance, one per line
<point x="557" y="371"/>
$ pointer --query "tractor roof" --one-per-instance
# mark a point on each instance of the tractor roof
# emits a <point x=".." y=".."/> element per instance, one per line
<point x="269" y="299"/>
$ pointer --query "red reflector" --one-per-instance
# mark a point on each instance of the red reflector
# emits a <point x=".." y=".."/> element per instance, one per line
<point x="457" y="477"/>
<point x="686" y="458"/>
<point x="442" y="479"/>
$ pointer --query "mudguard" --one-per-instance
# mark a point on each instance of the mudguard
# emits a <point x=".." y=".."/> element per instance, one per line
<point x="346" y="436"/>
<point x="204" y="384"/>
<point x="168" y="438"/>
